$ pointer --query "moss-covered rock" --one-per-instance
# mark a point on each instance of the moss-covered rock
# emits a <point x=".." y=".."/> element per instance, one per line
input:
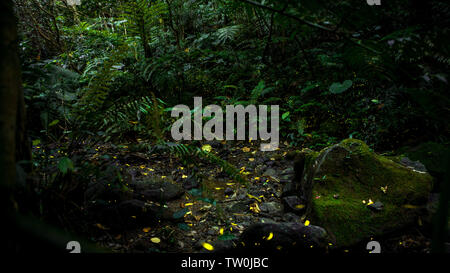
<point x="340" y="182"/>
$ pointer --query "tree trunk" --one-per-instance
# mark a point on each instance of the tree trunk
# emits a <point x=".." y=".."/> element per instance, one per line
<point x="10" y="90"/>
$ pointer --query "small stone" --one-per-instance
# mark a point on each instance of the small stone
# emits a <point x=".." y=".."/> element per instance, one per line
<point x="272" y="208"/>
<point x="190" y="182"/>
<point x="270" y="172"/>
<point x="377" y="206"/>
<point x="229" y="191"/>
<point x="294" y="204"/>
<point x="288" y="171"/>
<point x="415" y="165"/>
<point x="238" y="207"/>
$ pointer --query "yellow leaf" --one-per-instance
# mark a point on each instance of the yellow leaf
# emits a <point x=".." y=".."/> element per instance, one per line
<point x="100" y="226"/>
<point x="255" y="208"/>
<point x="188" y="204"/>
<point x="270" y="236"/>
<point x="146" y="229"/>
<point x="206" y="148"/>
<point x="208" y="246"/>
<point x="300" y="206"/>
<point x="186" y="50"/>
<point x="251" y="159"/>
<point x="409" y="206"/>
<point x="184" y="176"/>
<point x="221" y="231"/>
<point x="307" y="223"/>
<point x="246" y="149"/>
<point x="254" y="197"/>
<point x="155" y="240"/>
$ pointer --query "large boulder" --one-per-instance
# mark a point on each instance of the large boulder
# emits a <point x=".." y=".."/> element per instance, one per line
<point x="355" y="193"/>
<point x="285" y="236"/>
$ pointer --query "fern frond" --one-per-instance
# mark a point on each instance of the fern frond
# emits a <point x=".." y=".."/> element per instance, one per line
<point x="187" y="151"/>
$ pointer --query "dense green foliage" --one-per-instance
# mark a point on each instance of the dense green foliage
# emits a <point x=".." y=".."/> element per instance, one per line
<point x="100" y="80"/>
<point x="341" y="69"/>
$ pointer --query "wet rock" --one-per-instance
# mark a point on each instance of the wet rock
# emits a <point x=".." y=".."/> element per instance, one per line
<point x="283" y="237"/>
<point x="260" y="169"/>
<point x="157" y="190"/>
<point x="138" y="212"/>
<point x="241" y="206"/>
<point x="291" y="217"/>
<point x="286" y="178"/>
<point x="415" y="165"/>
<point x="132" y="207"/>
<point x="221" y="246"/>
<point x="272" y="208"/>
<point x="270" y="163"/>
<point x="288" y="171"/>
<point x="377" y="206"/>
<point x="270" y="172"/>
<point x="103" y="191"/>
<point x="229" y="191"/>
<point x="294" y="204"/>
<point x="190" y="182"/>
<point x="289" y="189"/>
<point x="314" y="235"/>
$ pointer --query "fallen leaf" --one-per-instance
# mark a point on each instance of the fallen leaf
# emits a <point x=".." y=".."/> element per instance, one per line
<point x="206" y="148"/>
<point x="246" y="149"/>
<point x="155" y="240"/>
<point x="100" y="226"/>
<point x="255" y="208"/>
<point x="146" y="229"/>
<point x="307" y="223"/>
<point x="208" y="246"/>
<point x="254" y="197"/>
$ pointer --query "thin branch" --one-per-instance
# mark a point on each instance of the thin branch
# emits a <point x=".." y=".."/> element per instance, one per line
<point x="281" y="12"/>
<point x="311" y="24"/>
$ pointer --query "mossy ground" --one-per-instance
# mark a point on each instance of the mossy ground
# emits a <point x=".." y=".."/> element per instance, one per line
<point x="358" y="175"/>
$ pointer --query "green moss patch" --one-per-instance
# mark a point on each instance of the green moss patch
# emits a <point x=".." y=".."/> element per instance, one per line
<point x="347" y="176"/>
